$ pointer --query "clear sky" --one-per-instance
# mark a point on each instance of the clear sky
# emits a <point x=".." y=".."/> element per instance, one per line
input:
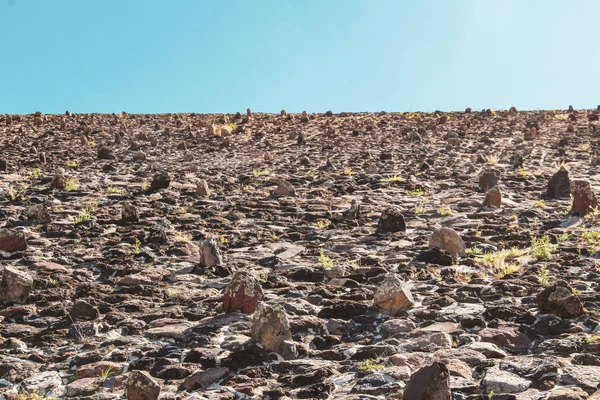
<point x="154" y="56"/>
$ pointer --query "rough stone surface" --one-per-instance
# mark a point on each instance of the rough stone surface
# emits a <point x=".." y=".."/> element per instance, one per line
<point x="391" y="221"/>
<point x="271" y="327"/>
<point x="15" y="285"/>
<point x="493" y="198"/>
<point x="559" y="185"/>
<point x="12" y="240"/>
<point x="242" y="294"/>
<point x="393" y="295"/>
<point x="559" y="299"/>
<point x="141" y="386"/>
<point x="429" y="383"/>
<point x="449" y="240"/>
<point x="584" y="199"/>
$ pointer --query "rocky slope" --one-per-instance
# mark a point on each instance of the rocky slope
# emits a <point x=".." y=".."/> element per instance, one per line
<point x="324" y="256"/>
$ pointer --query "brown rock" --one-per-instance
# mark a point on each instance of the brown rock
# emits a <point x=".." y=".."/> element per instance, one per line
<point x="202" y="380"/>
<point x="129" y="213"/>
<point x="488" y="178"/>
<point x="429" y="383"/>
<point x="449" y="240"/>
<point x="105" y="153"/>
<point x="285" y="189"/>
<point x="141" y="386"/>
<point x="15" y="285"/>
<point x="393" y="295"/>
<point x="160" y="181"/>
<point x="82" y="310"/>
<point x="97" y="369"/>
<point x="391" y="221"/>
<point x="202" y="189"/>
<point x="38" y="121"/>
<point x="584" y="199"/>
<point x="59" y="181"/>
<point x="270" y="327"/>
<point x="12" y="240"/>
<point x="3" y="165"/>
<point x="242" y="294"/>
<point x="559" y="185"/>
<point x="510" y="338"/>
<point x="210" y="254"/>
<point x="531" y="134"/>
<point x="493" y="198"/>
<point x="560" y="300"/>
<point x="83" y="387"/>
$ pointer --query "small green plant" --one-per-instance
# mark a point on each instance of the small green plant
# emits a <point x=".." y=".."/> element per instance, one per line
<point x="592" y="214"/>
<point x="521" y="173"/>
<point x="145" y="186"/>
<point x="325" y="261"/>
<point x="106" y="373"/>
<point x="35" y="173"/>
<point x="395" y="179"/>
<point x="592" y="339"/>
<point x="115" y="190"/>
<point x="321" y="224"/>
<point x="592" y="240"/>
<point x="223" y="239"/>
<point x="348" y="172"/>
<point x="137" y="243"/>
<point x="444" y="211"/>
<point x="499" y="262"/>
<point x="416" y="193"/>
<point x="540" y="204"/>
<point x="369" y="365"/>
<point x="492" y="159"/>
<point x="73" y="164"/>
<point x="419" y="209"/>
<point x="261" y="172"/>
<point x="264" y="277"/>
<point x="543" y="278"/>
<point x="52" y="281"/>
<point x="71" y="185"/>
<point x="182" y="237"/>
<point x="474" y="251"/>
<point x="563" y="237"/>
<point x="542" y="248"/>
<point x="84" y="216"/>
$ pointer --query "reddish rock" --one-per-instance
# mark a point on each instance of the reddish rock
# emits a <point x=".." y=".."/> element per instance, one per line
<point x="202" y="380"/>
<point x="270" y="327"/>
<point x="488" y="178"/>
<point x="559" y="185"/>
<point x="560" y="300"/>
<point x="12" y="240"/>
<point x="15" y="285"/>
<point x="141" y="386"/>
<point x="510" y="338"/>
<point x="393" y="295"/>
<point x="584" y="199"/>
<point x="493" y="198"/>
<point x="391" y="221"/>
<point x="242" y="294"/>
<point x="449" y="240"/>
<point x="429" y="383"/>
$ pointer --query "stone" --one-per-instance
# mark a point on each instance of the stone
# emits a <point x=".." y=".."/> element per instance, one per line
<point x="39" y="213"/>
<point x="59" y="181"/>
<point x="490" y="350"/>
<point x="271" y="327"/>
<point x="3" y="165"/>
<point x="202" y="189"/>
<point x="285" y="189"/>
<point x="15" y="285"/>
<point x="449" y="240"/>
<point x="559" y="299"/>
<point x="96" y="369"/>
<point x="394" y="326"/>
<point x="242" y="294"/>
<point x="429" y="383"/>
<point x="499" y="381"/>
<point x="129" y="213"/>
<point x="12" y="240"/>
<point x="393" y="295"/>
<point x="83" y="387"/>
<point x="584" y="199"/>
<point x="568" y="394"/>
<point x="488" y="178"/>
<point x="105" y="153"/>
<point x="48" y="383"/>
<point x="510" y="338"/>
<point x="391" y="221"/>
<point x="141" y="386"/>
<point x="531" y="134"/>
<point x="38" y="121"/>
<point x="493" y="198"/>
<point x="559" y="186"/>
<point x="82" y="310"/>
<point x="210" y="254"/>
<point x="354" y="211"/>
<point x="202" y="380"/>
<point x="160" y="181"/>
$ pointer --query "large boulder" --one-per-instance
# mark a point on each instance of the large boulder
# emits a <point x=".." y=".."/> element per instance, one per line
<point x="393" y="295"/>
<point x="271" y="327"/>
<point x="242" y="294"/>
<point x="15" y="285"/>
<point x="560" y="300"/>
<point x="429" y="383"/>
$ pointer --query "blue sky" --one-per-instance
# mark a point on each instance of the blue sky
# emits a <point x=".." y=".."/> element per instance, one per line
<point x="209" y="56"/>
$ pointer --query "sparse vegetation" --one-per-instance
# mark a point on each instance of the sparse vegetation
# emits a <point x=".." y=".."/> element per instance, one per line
<point x="71" y="185"/>
<point x="325" y="261"/>
<point x="321" y="224"/>
<point x="444" y="211"/>
<point x="541" y="248"/>
<point x="543" y="278"/>
<point x="370" y="365"/>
